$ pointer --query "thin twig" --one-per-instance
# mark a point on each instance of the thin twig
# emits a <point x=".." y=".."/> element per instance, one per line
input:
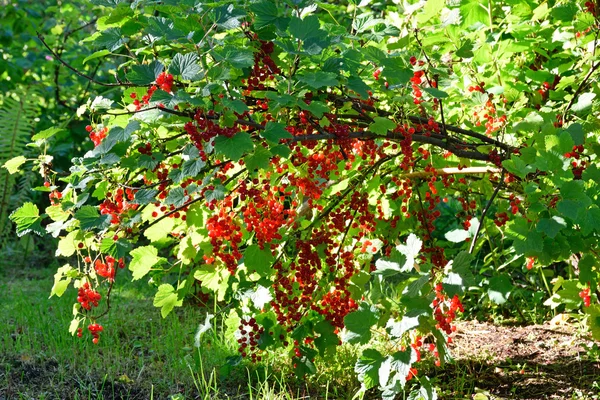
<point x="485" y="211"/>
<point x="81" y="74"/>
<point x="579" y="89"/>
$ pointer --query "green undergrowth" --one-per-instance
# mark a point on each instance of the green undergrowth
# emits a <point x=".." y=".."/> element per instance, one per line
<point x="140" y="355"/>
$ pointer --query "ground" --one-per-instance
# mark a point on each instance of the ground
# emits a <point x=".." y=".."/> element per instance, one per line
<point x="534" y="362"/>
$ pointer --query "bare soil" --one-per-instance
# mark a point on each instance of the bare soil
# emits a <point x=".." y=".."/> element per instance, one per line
<point x="520" y="362"/>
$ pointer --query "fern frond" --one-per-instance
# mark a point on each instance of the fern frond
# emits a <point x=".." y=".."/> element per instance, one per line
<point x="17" y="120"/>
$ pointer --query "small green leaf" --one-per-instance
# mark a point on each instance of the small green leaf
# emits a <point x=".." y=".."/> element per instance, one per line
<point x="438" y="94"/>
<point x="13" y="165"/>
<point x="551" y="226"/>
<point x="237" y="57"/>
<point x="145" y="196"/>
<point x="90" y="218"/>
<point x="258" y="160"/>
<point x="185" y="65"/>
<point x="382" y="125"/>
<point x="584" y="102"/>
<point x="98" y="54"/>
<point x="234" y="147"/>
<point x="265" y="13"/>
<point x="27" y="218"/>
<point x="192" y="168"/>
<point x="367" y="367"/>
<point x="46" y="134"/>
<point x="593" y="312"/>
<point x="111" y="39"/>
<point x="61" y="280"/>
<point x="167" y="299"/>
<point x="359" y="323"/>
<point x="144" y="258"/>
<point x="117" y="249"/>
<point x="145" y="74"/>
<point x="176" y="197"/>
<point x="500" y="288"/>
<point x="303" y="29"/>
<point x="319" y="79"/>
<point x="275" y="131"/>
<point x="258" y="260"/>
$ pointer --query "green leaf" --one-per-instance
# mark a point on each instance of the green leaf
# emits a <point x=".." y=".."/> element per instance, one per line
<point x="551" y="226"/>
<point x="327" y="339"/>
<point x="98" y="54"/>
<point x="167" y="299"/>
<point x="265" y="13"/>
<point x="409" y="321"/>
<point x="145" y="196"/>
<point x="319" y="79"/>
<point x="432" y="9"/>
<point x="367" y="367"/>
<point x="185" y="65"/>
<point x="112" y="39"/>
<point x="317" y="108"/>
<point x="193" y="167"/>
<point x="303" y="29"/>
<point x="117" y="249"/>
<point x="358" y="323"/>
<point x="258" y="260"/>
<point x="237" y="57"/>
<point x="258" y="160"/>
<point x="274" y="132"/>
<point x="68" y="244"/>
<point x="13" y="165"/>
<point x="27" y="218"/>
<point x="144" y="258"/>
<point x="123" y="134"/>
<point x="499" y="289"/>
<point x="62" y="279"/>
<point x="176" y="197"/>
<point x="90" y="218"/>
<point x="382" y="125"/>
<point x="145" y="74"/>
<point x="46" y="134"/>
<point x="359" y="86"/>
<point x="587" y="270"/>
<point x="593" y="313"/>
<point x="459" y="276"/>
<point x="234" y="147"/>
<point x="160" y="230"/>
<point x="438" y="94"/>
<point x="584" y="102"/>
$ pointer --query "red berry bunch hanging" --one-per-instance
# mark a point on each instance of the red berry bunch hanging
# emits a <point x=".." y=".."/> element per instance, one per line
<point x="530" y="262"/>
<point x="247" y="336"/>
<point x="264" y="67"/>
<point x="165" y="81"/>
<point x="444" y="309"/>
<point x="577" y="165"/>
<point x="116" y="206"/>
<point x="585" y="296"/>
<point x="88" y="297"/>
<point x="95" y="330"/>
<point x="97" y="136"/>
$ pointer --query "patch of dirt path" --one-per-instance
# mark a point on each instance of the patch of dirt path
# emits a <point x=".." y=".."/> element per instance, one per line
<point x="520" y="362"/>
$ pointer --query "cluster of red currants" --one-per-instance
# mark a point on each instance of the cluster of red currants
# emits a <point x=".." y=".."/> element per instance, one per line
<point x="88" y="297"/>
<point x="444" y="309"/>
<point x="118" y="205"/>
<point x="97" y="136"/>
<point x="585" y="296"/>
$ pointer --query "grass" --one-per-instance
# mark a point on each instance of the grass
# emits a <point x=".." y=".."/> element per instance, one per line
<point x="140" y="355"/>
